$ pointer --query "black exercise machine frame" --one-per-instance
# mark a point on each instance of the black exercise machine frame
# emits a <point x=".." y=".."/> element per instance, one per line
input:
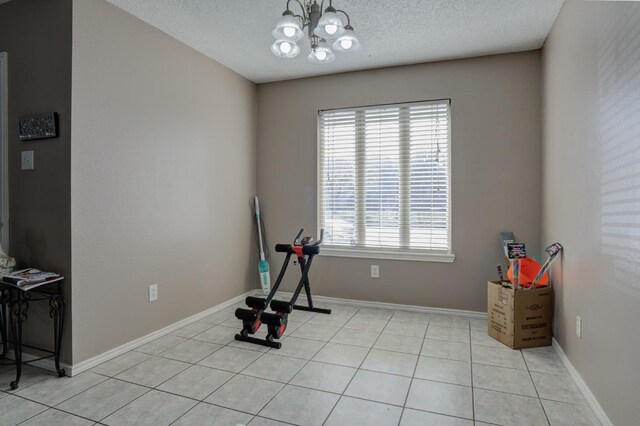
<point x="276" y="322"/>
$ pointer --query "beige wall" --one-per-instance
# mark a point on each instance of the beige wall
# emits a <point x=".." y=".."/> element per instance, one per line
<point x="591" y="180"/>
<point x="495" y="128"/>
<point x="163" y="169"/>
<point x="36" y="34"/>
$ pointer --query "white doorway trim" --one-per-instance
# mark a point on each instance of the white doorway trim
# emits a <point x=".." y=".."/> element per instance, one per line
<point x="4" y="152"/>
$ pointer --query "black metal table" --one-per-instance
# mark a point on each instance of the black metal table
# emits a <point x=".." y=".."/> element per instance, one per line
<point x="17" y="301"/>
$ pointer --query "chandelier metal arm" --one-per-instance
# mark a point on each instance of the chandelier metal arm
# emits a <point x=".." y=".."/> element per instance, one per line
<point x="299" y="4"/>
<point x="345" y="14"/>
<point x="304" y="19"/>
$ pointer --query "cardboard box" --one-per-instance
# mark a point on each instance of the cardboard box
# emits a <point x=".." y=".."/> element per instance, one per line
<point x="520" y="318"/>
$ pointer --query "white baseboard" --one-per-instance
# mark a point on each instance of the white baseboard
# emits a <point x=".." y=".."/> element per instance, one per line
<point x="87" y="364"/>
<point x="591" y="399"/>
<point x="393" y="306"/>
<point x="112" y="353"/>
<point x="92" y="362"/>
<point x="586" y="392"/>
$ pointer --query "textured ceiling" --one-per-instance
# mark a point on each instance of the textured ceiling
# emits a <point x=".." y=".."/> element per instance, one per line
<point x="237" y="33"/>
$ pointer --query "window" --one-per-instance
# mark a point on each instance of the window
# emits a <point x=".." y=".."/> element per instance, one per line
<point x="383" y="184"/>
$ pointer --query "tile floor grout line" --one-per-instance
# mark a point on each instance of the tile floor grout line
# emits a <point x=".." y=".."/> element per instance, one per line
<point x="410" y="408"/>
<point x="269" y="418"/>
<point x="415" y="367"/>
<point x="55" y="406"/>
<point x="586" y="404"/>
<point x="83" y="417"/>
<point x="325" y="344"/>
<point x="149" y="389"/>
<point x="535" y="388"/>
<point x="389" y="403"/>
<point x="128" y="403"/>
<point x="262" y="353"/>
<point x="441" y="414"/>
<point x="127" y="368"/>
<point x="64" y="400"/>
<point x="24" y="370"/>
<point x="501" y="366"/>
<point x="370" y="349"/>
<point x="73" y="396"/>
<point x="239" y="373"/>
<point x="228" y="344"/>
<point x="152" y="388"/>
<point x="233" y="409"/>
<point x="473" y="396"/>
<point x="358" y="368"/>
<point x="195" y="365"/>
<point x="235" y="374"/>
<point x="35" y="415"/>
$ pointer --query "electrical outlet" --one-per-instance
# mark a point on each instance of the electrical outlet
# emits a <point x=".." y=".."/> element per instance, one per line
<point x="153" y="292"/>
<point x="579" y="327"/>
<point x="375" y="271"/>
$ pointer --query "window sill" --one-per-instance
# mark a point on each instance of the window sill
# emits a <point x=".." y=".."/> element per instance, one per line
<point x="387" y="255"/>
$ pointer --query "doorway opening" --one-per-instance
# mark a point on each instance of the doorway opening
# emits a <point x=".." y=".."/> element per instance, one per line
<point x="4" y="152"/>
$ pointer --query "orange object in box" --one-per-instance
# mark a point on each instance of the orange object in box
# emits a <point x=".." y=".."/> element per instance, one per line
<point x="529" y="268"/>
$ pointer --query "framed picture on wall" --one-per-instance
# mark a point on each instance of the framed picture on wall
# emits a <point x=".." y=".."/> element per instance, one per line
<point x="38" y="126"/>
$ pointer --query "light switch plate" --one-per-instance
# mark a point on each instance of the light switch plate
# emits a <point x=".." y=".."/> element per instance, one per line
<point x="26" y="160"/>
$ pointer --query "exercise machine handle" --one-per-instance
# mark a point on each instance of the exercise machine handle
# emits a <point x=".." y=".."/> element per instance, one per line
<point x="313" y="248"/>
<point x="317" y="243"/>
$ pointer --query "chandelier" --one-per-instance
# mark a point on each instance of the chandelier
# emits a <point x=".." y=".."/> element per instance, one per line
<point x="320" y="26"/>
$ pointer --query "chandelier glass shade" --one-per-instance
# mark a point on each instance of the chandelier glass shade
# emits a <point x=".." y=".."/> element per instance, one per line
<point x="321" y="54"/>
<point x="321" y="27"/>
<point x="285" y="49"/>
<point x="289" y="28"/>
<point x="329" y="25"/>
<point x="347" y="41"/>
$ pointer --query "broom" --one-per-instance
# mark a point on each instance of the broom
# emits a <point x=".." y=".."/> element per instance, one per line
<point x="263" y="264"/>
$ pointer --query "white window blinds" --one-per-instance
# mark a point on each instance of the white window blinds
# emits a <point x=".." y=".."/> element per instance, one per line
<point x="384" y="177"/>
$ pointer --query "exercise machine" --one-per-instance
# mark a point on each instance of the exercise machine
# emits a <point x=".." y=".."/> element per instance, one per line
<point x="304" y="250"/>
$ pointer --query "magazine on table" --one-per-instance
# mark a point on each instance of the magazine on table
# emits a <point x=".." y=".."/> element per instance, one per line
<point x="29" y="278"/>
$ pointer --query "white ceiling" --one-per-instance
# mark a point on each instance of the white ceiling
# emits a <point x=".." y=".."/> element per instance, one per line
<point x="237" y="33"/>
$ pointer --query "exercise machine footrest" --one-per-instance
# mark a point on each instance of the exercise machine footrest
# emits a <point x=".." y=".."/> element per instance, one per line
<point x="271" y="319"/>
<point x="246" y="314"/>
<point x="281" y="306"/>
<point x="256" y="302"/>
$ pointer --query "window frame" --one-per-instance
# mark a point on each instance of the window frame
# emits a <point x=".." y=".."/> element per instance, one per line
<point x="424" y="255"/>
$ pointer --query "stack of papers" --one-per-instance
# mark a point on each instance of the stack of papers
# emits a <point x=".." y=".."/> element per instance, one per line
<point x="28" y="278"/>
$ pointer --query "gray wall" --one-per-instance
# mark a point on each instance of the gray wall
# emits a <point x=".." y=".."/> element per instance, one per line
<point x="495" y="130"/>
<point x="163" y="170"/>
<point x="591" y="151"/>
<point x="36" y="34"/>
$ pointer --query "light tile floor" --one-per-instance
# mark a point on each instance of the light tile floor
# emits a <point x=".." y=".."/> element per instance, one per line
<point x="356" y="366"/>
